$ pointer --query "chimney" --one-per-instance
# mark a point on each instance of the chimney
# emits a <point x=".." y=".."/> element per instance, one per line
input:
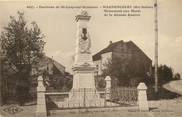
<point x="110" y="42"/>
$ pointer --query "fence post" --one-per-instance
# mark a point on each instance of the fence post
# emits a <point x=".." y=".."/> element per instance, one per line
<point x="41" y="102"/>
<point x="142" y="97"/>
<point x="108" y="87"/>
<point x="84" y="103"/>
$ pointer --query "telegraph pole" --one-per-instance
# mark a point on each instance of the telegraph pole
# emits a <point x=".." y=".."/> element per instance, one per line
<point x="156" y="44"/>
<point x="0" y="74"/>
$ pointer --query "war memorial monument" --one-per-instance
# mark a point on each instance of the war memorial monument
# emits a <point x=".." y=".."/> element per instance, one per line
<point x="83" y="92"/>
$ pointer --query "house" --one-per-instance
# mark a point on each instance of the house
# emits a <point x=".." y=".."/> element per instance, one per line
<point x="51" y="69"/>
<point x="129" y="52"/>
<point x="53" y="73"/>
<point x="49" y="65"/>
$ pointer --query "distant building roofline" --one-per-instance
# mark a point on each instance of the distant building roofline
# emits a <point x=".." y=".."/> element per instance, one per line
<point x="110" y="48"/>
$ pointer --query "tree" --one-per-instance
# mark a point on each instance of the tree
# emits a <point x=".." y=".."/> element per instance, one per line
<point x="125" y="71"/>
<point x="23" y="46"/>
<point x="177" y="76"/>
<point x="165" y="74"/>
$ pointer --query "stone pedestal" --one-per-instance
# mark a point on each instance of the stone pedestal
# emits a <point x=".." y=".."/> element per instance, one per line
<point x="83" y="76"/>
<point x="142" y="97"/>
<point x="84" y="93"/>
<point x="41" y="103"/>
<point x="108" y="87"/>
<point x="82" y="58"/>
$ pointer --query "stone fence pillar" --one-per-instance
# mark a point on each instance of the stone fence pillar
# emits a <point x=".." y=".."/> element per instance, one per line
<point x="142" y="97"/>
<point x="108" y="87"/>
<point x="41" y="102"/>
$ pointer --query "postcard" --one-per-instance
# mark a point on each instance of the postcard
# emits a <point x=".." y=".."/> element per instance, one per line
<point x="90" y="58"/>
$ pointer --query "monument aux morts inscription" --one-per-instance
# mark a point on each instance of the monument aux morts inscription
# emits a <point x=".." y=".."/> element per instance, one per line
<point x="83" y="92"/>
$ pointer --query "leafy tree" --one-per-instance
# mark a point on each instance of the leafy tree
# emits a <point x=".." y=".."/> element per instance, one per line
<point x="128" y="72"/>
<point x="125" y="71"/>
<point x="23" y="45"/>
<point x="165" y="74"/>
<point x="177" y="76"/>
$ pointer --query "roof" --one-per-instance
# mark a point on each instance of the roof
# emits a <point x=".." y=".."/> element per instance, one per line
<point x="60" y="67"/>
<point x="45" y="60"/>
<point x="111" y="47"/>
<point x="130" y="42"/>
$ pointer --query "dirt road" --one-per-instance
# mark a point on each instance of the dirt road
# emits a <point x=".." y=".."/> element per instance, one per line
<point x="174" y="86"/>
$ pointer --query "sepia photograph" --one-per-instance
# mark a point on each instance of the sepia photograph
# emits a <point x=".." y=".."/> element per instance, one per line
<point x="75" y="58"/>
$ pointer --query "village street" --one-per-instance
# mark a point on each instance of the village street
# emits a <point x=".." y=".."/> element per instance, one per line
<point x="175" y="86"/>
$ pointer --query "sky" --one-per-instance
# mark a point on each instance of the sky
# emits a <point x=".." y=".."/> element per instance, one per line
<point x="59" y="27"/>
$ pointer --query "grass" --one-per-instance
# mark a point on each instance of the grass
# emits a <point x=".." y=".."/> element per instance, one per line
<point x="162" y="94"/>
<point x="29" y="111"/>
